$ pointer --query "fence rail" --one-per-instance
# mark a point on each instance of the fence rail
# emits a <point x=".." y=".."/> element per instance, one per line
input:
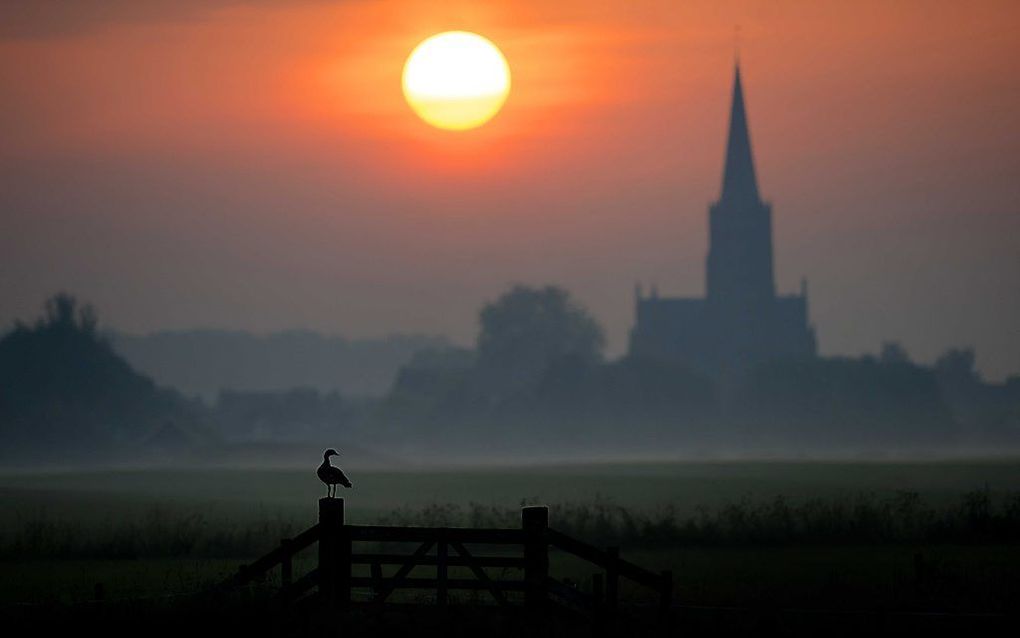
<point x="443" y="548"/>
<point x="382" y="533"/>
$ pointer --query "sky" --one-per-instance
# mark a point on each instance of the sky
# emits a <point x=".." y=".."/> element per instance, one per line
<point x="253" y="164"/>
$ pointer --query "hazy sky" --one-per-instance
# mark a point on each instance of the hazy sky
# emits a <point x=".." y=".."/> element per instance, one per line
<point x="196" y="163"/>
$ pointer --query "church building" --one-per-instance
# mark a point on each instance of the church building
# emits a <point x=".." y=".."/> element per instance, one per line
<point x="741" y="320"/>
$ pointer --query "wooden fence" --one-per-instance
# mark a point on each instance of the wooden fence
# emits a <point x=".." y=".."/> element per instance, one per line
<point x="523" y="550"/>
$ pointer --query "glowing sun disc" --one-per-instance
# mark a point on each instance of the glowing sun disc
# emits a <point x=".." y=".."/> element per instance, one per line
<point x="456" y="80"/>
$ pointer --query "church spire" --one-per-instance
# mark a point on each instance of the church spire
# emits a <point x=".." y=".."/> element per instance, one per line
<point x="739" y="182"/>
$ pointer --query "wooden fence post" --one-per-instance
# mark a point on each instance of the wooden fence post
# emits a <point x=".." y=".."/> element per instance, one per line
<point x="442" y="592"/>
<point x="665" y="598"/>
<point x="344" y="568"/>
<point x="612" y="584"/>
<point x="598" y="590"/>
<point x="286" y="564"/>
<point x="331" y="522"/>
<point x="598" y="595"/>
<point x="535" y="522"/>
<point x="376" y="570"/>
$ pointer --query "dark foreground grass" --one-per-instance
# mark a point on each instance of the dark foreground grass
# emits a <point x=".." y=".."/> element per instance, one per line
<point x="915" y="577"/>
<point x="719" y="591"/>
<point x="868" y="552"/>
<point x="860" y="538"/>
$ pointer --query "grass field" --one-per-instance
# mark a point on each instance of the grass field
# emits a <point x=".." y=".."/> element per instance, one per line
<point x="262" y="506"/>
<point x="91" y="495"/>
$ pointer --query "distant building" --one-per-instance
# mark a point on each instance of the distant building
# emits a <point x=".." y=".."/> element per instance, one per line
<point x="741" y="320"/>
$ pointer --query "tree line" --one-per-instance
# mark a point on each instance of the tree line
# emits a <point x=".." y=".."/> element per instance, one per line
<point x="537" y="381"/>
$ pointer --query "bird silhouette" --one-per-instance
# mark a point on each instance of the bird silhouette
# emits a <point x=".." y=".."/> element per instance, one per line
<point x="330" y="475"/>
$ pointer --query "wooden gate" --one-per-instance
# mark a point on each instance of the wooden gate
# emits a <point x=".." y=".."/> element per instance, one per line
<point x="523" y="550"/>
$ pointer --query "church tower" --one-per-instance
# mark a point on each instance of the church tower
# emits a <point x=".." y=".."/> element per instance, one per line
<point x="739" y="269"/>
<point x="741" y="322"/>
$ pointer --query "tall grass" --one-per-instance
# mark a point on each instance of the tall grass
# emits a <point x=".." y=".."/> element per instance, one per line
<point x="160" y="532"/>
<point x="977" y="517"/>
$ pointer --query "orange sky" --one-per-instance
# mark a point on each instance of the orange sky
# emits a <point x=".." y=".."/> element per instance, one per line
<point x="253" y="164"/>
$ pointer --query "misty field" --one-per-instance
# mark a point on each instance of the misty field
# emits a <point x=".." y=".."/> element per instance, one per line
<point x="918" y="535"/>
<point x="92" y="495"/>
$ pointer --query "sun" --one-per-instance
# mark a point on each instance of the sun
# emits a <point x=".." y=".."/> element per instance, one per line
<point x="456" y="80"/>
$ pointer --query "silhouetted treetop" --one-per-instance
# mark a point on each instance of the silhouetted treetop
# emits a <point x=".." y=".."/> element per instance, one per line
<point x="527" y="329"/>
<point x="893" y="352"/>
<point x="62" y="384"/>
<point x="62" y="312"/>
<point x="957" y="364"/>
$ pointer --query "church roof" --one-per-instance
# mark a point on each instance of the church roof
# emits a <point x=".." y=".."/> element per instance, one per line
<point x="739" y="181"/>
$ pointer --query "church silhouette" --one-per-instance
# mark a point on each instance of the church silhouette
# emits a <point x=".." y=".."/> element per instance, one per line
<point x="741" y="321"/>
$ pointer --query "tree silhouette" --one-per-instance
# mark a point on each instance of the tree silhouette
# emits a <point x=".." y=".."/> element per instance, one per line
<point x="62" y="313"/>
<point x="63" y="387"/>
<point x="893" y="353"/>
<point x="956" y="365"/>
<point x="528" y="329"/>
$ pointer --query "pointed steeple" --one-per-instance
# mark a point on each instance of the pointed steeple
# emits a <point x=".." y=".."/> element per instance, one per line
<point x="739" y="181"/>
